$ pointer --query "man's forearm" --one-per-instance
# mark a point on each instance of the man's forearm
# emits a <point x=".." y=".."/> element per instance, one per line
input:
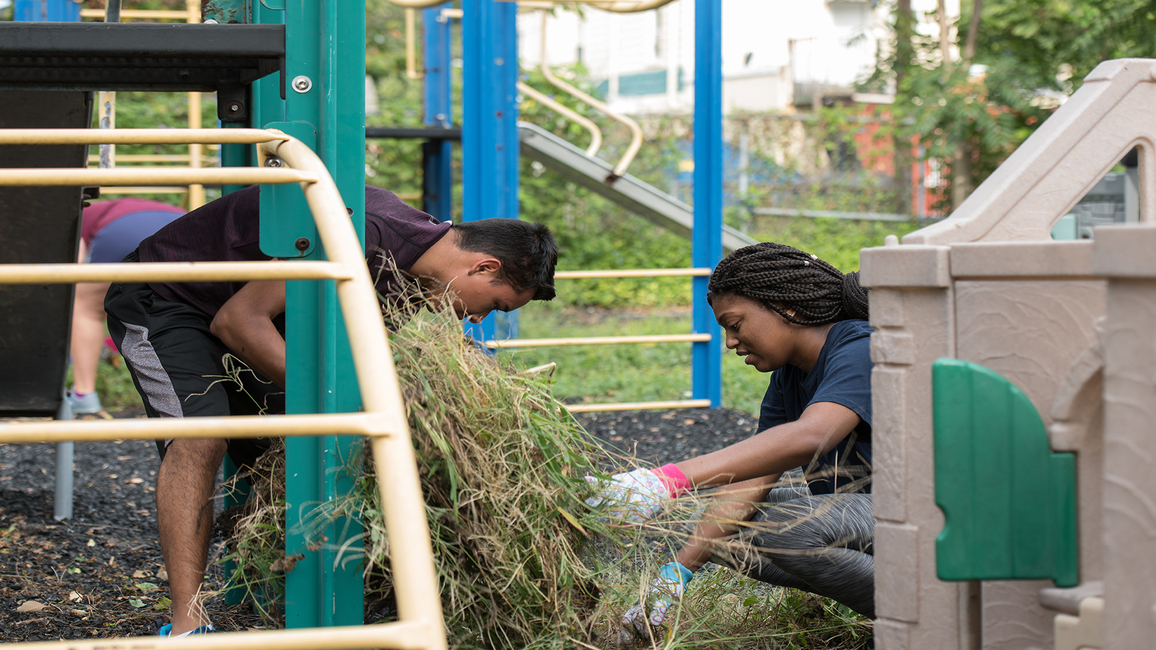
<point x="260" y="346"/>
<point x="245" y="325"/>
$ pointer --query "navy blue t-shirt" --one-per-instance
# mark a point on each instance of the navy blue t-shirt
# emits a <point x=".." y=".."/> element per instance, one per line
<point x="842" y="374"/>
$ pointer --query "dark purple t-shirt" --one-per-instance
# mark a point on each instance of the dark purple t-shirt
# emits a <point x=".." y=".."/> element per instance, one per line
<point x="227" y="230"/>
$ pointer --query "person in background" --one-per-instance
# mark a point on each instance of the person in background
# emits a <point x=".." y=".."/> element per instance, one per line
<point x="109" y="231"/>
<point x="793" y="315"/>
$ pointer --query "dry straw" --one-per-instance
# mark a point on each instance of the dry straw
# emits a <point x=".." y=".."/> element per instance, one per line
<point x="522" y="562"/>
<point x="502" y="466"/>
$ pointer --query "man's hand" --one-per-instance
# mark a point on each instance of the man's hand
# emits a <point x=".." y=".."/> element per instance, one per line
<point x="636" y="496"/>
<point x="665" y="590"/>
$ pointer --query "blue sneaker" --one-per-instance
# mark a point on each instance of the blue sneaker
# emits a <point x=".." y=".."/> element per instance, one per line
<point x="167" y="629"/>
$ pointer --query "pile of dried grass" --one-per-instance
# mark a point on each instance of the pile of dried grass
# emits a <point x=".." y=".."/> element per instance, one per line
<point x="522" y="562"/>
<point x="502" y="466"/>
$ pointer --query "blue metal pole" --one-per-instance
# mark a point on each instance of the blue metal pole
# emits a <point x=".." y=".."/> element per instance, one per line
<point x="489" y="118"/>
<point x="438" y="154"/>
<point x="706" y="356"/>
<point x="53" y="11"/>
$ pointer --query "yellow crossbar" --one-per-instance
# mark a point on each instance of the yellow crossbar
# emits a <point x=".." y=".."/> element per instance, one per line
<point x="402" y="634"/>
<point x="140" y="136"/>
<point x="420" y="622"/>
<point x="249" y="426"/>
<point x="171" y="272"/>
<point x="154" y="176"/>
<point x="598" y="340"/>
<point x="640" y="406"/>
<point x="630" y="273"/>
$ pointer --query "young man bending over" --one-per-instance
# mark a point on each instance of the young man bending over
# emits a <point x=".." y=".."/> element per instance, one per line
<point x="173" y="337"/>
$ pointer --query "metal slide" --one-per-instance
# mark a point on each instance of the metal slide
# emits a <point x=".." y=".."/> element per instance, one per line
<point x="627" y="191"/>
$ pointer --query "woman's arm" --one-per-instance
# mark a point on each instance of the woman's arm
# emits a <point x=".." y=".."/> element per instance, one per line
<point x="820" y="429"/>
<point x="731" y="504"/>
<point x="245" y="325"/>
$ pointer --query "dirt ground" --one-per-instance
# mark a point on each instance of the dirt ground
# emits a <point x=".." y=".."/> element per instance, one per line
<point x="100" y="574"/>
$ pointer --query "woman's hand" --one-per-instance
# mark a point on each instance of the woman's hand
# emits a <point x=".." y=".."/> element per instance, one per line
<point x="635" y="496"/>
<point x="664" y="591"/>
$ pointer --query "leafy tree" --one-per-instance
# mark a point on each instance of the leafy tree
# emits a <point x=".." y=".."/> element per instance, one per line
<point x="1031" y="53"/>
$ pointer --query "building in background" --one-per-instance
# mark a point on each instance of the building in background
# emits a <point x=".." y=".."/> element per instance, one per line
<point x="781" y="60"/>
<point x="777" y="54"/>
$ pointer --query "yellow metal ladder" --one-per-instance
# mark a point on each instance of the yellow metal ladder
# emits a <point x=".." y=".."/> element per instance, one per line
<point x="420" y="622"/>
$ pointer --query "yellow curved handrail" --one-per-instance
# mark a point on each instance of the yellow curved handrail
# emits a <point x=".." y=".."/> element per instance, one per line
<point x="587" y="123"/>
<point x="616" y="6"/>
<point x="635" y="131"/>
<point x="417" y="4"/>
<point x="420" y="623"/>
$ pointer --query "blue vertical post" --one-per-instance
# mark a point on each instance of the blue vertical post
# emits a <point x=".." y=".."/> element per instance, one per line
<point x="489" y="118"/>
<point x="53" y="11"/>
<point x="438" y="184"/>
<point x="706" y="356"/>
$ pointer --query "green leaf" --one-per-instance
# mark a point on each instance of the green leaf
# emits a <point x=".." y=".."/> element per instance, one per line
<point x="136" y="602"/>
<point x="146" y="586"/>
<point x="162" y="604"/>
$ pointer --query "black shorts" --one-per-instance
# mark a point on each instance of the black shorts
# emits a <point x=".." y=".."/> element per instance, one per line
<point x="180" y="369"/>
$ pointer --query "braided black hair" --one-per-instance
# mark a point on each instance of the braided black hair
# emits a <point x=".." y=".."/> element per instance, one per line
<point x="782" y="278"/>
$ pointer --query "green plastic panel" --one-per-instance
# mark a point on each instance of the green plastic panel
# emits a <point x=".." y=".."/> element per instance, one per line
<point x="1008" y="500"/>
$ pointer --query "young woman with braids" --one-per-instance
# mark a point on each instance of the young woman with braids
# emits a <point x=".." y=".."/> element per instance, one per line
<point x="793" y="315"/>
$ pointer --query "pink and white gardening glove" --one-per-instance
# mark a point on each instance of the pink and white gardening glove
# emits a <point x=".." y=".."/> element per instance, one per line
<point x="639" y="495"/>
<point x="664" y="591"/>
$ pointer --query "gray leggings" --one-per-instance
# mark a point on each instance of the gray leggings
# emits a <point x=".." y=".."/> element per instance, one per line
<point x="821" y="544"/>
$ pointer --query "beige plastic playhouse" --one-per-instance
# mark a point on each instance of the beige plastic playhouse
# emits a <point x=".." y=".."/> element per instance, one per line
<point x="1072" y="324"/>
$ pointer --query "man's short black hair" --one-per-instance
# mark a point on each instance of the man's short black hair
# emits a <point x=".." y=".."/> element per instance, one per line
<point x="526" y="250"/>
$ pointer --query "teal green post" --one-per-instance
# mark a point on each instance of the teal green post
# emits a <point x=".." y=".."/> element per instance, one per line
<point x="325" y="108"/>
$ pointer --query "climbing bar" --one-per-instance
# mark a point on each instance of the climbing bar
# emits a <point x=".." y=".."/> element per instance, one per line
<point x="635" y="130"/>
<point x="630" y="273"/>
<point x="616" y="6"/>
<point x="154" y="158"/>
<point x="401" y="634"/>
<point x="170" y="272"/>
<point x="140" y="136"/>
<point x="640" y="406"/>
<point x="153" y="176"/>
<point x="152" y="14"/>
<point x="280" y="160"/>
<point x="416" y="4"/>
<point x="253" y="426"/>
<point x="106" y="190"/>
<point x="415" y="586"/>
<point x="597" y="340"/>
<point x="559" y="107"/>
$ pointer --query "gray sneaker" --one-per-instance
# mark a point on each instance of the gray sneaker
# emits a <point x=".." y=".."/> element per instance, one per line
<point x="90" y="403"/>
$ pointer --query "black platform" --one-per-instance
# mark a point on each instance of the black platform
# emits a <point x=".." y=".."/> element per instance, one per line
<point x="143" y="56"/>
<point x="413" y="133"/>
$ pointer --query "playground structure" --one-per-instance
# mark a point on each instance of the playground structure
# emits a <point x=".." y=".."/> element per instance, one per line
<point x="316" y="98"/>
<point x="281" y="159"/>
<point x="492" y="139"/>
<point x="994" y="501"/>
